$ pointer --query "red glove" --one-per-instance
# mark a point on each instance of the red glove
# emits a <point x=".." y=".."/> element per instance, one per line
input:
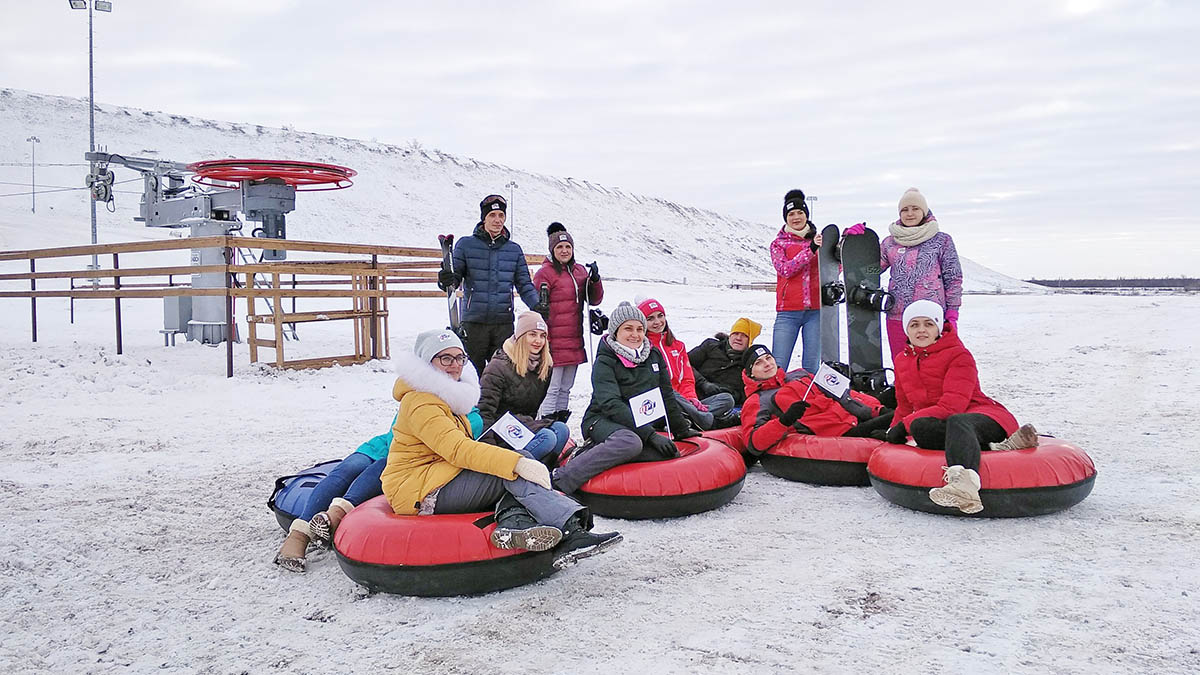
<point x="857" y="228"/>
<point x="698" y="405"/>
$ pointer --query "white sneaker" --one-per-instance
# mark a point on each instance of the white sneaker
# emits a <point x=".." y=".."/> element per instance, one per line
<point x="961" y="490"/>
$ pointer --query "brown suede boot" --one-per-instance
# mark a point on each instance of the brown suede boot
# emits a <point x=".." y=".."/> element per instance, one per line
<point x="324" y="524"/>
<point x="291" y="554"/>
<point x="1025" y="437"/>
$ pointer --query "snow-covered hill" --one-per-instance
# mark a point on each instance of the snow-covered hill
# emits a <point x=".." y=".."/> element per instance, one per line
<point x="402" y="195"/>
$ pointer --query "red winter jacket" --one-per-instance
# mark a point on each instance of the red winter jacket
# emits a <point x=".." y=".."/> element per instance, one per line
<point x="798" y="278"/>
<point x="683" y="380"/>
<point x="566" y="309"/>
<point x="766" y="401"/>
<point x="941" y="380"/>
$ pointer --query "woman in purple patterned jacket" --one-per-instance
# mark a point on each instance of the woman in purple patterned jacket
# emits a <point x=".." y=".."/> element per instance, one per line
<point x="924" y="265"/>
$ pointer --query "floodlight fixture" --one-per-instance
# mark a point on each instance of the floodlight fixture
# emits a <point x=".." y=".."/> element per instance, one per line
<point x="103" y="6"/>
<point x="78" y="4"/>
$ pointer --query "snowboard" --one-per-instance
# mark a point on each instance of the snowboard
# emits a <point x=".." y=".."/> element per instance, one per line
<point x="865" y="303"/>
<point x="833" y="293"/>
<point x="446" y="241"/>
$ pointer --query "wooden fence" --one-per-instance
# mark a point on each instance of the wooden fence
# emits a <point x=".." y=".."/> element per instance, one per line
<point x="366" y="281"/>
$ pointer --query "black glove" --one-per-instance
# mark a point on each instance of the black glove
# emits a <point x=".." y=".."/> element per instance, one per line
<point x="688" y="431"/>
<point x="597" y="322"/>
<point x="897" y="434"/>
<point x="662" y="445"/>
<point x="593" y="272"/>
<point x="793" y="413"/>
<point x="543" y="309"/>
<point x="879" y="434"/>
<point x="447" y="280"/>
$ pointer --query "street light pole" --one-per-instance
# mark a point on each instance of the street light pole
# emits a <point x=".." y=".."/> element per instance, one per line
<point x="33" y="141"/>
<point x="512" y="185"/>
<point x="103" y="6"/>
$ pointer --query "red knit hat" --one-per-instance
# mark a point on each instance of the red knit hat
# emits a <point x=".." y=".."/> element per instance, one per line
<point x="650" y="306"/>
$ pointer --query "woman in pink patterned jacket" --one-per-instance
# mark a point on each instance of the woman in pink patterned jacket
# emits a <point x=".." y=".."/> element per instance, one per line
<point x="797" y="285"/>
<point x="924" y="265"/>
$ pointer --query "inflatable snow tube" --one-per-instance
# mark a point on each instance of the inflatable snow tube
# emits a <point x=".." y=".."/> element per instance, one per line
<point x="291" y="493"/>
<point x="707" y="475"/>
<point x="821" y="460"/>
<point x="818" y="460"/>
<point x="430" y="556"/>
<point x="1051" y="477"/>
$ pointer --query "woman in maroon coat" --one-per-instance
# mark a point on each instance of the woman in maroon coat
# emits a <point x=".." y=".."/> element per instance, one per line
<point x="572" y="287"/>
<point x="940" y="404"/>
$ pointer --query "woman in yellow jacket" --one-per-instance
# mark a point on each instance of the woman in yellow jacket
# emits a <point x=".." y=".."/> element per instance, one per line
<point x="434" y="466"/>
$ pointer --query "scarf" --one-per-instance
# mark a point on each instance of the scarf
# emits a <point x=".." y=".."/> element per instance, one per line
<point x="638" y="355"/>
<point x="800" y="233"/>
<point x="915" y="235"/>
<point x="535" y="362"/>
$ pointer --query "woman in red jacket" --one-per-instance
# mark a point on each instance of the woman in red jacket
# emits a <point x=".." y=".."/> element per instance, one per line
<point x="940" y="404"/>
<point x="779" y="403"/>
<point x="572" y="287"/>
<point x="797" y="285"/>
<point x="714" y="410"/>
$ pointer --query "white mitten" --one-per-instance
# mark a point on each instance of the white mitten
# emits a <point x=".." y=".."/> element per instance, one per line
<point x="534" y="472"/>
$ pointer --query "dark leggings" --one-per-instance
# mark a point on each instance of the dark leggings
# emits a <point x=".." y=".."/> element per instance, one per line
<point x="483" y="339"/>
<point x="962" y="436"/>
<point x="865" y="429"/>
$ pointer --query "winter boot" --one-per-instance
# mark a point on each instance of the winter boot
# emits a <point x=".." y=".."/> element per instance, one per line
<point x="1025" y="437"/>
<point x="562" y="416"/>
<point x="578" y="543"/>
<point x="291" y="554"/>
<point x="516" y="528"/>
<point x="961" y="490"/>
<point x="324" y="524"/>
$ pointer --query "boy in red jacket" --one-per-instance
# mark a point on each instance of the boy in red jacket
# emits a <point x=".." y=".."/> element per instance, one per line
<point x="779" y="403"/>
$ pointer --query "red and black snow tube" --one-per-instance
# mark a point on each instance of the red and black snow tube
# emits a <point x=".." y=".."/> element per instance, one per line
<point x="707" y="475"/>
<point x="819" y="460"/>
<point x="1051" y="477"/>
<point x="431" y="555"/>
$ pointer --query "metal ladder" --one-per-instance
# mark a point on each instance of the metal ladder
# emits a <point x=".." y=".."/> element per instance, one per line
<point x="246" y="255"/>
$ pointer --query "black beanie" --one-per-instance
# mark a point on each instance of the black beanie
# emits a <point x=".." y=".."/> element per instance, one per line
<point x="492" y="203"/>
<point x="753" y="353"/>
<point x="794" y="199"/>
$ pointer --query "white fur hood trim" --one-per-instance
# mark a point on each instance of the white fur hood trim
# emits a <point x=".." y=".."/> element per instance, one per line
<point x="461" y="396"/>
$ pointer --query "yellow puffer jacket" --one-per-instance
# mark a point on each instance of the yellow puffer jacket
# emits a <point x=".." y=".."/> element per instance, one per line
<point x="431" y="439"/>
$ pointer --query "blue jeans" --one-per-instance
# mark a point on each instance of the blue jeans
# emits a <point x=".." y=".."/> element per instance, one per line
<point x="356" y="479"/>
<point x="552" y="439"/>
<point x="788" y="326"/>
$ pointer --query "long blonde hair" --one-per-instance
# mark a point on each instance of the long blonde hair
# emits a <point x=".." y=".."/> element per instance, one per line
<point x="518" y="352"/>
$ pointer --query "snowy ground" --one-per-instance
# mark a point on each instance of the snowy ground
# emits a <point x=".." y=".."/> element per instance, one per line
<point x="138" y="539"/>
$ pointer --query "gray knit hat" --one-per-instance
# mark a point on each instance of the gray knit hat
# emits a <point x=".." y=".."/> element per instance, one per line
<point x="624" y="312"/>
<point x="432" y="342"/>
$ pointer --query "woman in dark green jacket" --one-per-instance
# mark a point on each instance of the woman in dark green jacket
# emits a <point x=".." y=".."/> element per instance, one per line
<point x="626" y="366"/>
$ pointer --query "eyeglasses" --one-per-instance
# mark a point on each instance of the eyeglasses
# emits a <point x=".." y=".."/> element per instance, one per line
<point x="448" y="360"/>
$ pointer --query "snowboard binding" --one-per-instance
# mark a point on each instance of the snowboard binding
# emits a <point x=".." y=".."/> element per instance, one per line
<point x="871" y="298"/>
<point x="833" y="293"/>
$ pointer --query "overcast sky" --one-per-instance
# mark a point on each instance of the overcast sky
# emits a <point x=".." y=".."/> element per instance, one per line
<point x="1051" y="137"/>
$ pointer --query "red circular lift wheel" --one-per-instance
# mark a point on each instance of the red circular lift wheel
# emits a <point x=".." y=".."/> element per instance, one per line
<point x="304" y="176"/>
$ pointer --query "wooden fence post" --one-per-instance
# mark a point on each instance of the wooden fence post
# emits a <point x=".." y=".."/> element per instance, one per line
<point x="33" y="300"/>
<point x="117" y="287"/>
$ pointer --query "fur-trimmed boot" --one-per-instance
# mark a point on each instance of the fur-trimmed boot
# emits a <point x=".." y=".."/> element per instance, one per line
<point x="1025" y="437"/>
<point x="324" y="524"/>
<point x="516" y="528"/>
<point x="961" y="490"/>
<point x="291" y="554"/>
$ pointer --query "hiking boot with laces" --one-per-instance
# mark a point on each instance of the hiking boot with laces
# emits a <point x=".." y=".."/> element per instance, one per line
<point x="517" y="529"/>
<point x="1025" y="437"/>
<point x="961" y="490"/>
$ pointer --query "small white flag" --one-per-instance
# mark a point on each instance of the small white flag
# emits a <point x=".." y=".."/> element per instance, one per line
<point x="512" y="431"/>
<point x="647" y="407"/>
<point x="831" y="381"/>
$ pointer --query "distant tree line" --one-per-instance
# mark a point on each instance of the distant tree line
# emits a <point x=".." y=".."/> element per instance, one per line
<point x="1186" y="283"/>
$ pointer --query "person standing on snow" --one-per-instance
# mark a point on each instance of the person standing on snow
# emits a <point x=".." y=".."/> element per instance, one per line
<point x="717" y="362"/>
<point x="924" y="265"/>
<point x="940" y="404"/>
<point x="713" y="411"/>
<point x="489" y="265"/>
<point x="572" y="288"/>
<point x="797" y="285"/>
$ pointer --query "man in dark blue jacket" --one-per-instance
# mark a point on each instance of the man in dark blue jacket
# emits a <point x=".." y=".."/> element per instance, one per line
<point x="489" y="265"/>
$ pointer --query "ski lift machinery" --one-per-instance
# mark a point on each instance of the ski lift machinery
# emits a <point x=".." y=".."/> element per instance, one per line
<point x="261" y="191"/>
